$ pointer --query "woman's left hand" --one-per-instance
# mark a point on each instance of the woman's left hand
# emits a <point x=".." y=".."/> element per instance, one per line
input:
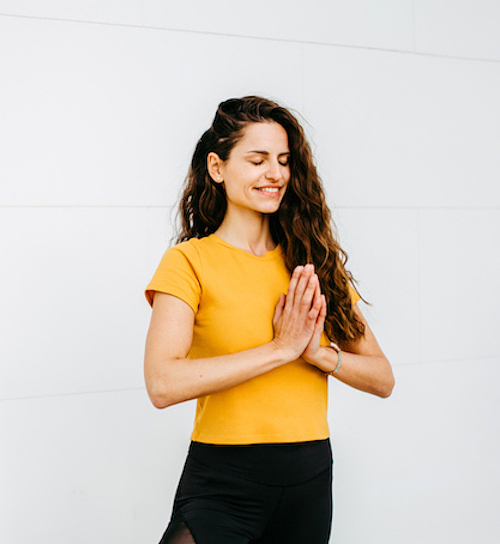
<point x="311" y="352"/>
<point x="364" y="365"/>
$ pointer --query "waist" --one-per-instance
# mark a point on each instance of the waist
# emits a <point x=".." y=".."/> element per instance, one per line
<point x="287" y="404"/>
<point x="272" y="464"/>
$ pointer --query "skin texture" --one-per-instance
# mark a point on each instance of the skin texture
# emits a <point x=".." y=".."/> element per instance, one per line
<point x="245" y="224"/>
<point x="259" y="159"/>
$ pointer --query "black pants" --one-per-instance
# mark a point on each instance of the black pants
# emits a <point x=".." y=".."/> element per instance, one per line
<point x="254" y="494"/>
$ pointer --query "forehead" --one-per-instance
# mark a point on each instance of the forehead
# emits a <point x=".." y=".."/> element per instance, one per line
<point x="266" y="136"/>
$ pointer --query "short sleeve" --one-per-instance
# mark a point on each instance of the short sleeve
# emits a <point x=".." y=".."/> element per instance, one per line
<point x="354" y="295"/>
<point x="177" y="275"/>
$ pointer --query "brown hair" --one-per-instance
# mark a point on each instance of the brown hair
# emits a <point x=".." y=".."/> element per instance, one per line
<point x="302" y="226"/>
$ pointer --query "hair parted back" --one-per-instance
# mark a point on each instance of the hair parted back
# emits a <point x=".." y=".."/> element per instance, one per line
<point x="302" y="226"/>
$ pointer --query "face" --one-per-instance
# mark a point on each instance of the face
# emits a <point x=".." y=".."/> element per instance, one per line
<point x="257" y="172"/>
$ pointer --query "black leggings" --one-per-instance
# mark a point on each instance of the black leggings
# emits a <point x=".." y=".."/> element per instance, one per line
<point x="223" y="507"/>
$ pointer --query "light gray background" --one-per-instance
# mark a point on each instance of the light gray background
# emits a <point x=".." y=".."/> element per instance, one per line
<point x="101" y="103"/>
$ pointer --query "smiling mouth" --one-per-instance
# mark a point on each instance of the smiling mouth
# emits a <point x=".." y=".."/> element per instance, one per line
<point x="269" y="190"/>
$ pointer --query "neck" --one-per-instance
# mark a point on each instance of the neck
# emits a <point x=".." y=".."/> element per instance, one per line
<point x="250" y="233"/>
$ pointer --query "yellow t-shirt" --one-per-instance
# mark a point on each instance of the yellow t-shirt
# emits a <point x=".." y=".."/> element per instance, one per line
<point x="233" y="294"/>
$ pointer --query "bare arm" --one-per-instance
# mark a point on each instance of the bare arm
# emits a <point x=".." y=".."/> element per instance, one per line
<point x="171" y="377"/>
<point x="364" y="365"/>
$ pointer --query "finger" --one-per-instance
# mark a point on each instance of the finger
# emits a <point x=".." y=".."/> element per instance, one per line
<point x="292" y="286"/>
<point x="315" y="310"/>
<point x="318" y="300"/>
<point x="303" y="283"/>
<point x="278" y="310"/>
<point x="317" y="293"/>
<point x="308" y="297"/>
<point x="320" y="321"/>
<point x="324" y="306"/>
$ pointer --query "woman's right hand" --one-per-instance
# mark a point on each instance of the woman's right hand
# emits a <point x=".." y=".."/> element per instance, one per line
<point x="296" y="313"/>
<point x="173" y="377"/>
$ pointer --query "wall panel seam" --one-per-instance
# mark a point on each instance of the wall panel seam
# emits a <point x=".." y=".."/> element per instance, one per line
<point x="74" y="394"/>
<point x="469" y="360"/>
<point x="248" y="37"/>
<point x="419" y="287"/>
<point x="414" y="27"/>
<point x="166" y="206"/>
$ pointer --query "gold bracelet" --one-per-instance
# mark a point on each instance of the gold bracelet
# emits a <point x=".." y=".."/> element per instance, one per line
<point x="339" y="362"/>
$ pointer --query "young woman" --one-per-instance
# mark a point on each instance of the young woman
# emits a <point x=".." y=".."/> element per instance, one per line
<point x="253" y="310"/>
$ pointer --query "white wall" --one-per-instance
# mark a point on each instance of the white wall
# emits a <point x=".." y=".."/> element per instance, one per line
<point x="100" y="106"/>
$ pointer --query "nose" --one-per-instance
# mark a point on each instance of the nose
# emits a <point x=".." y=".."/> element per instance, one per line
<point x="274" y="171"/>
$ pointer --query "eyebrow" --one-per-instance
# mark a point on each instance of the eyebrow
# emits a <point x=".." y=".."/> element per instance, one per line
<point x="266" y="153"/>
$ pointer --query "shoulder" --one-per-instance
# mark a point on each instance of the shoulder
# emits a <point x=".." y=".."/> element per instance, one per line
<point x="206" y="252"/>
<point x="194" y="247"/>
<point x="354" y="295"/>
<point x="190" y="252"/>
<point x="188" y="247"/>
<point x="179" y="273"/>
<point x="195" y="256"/>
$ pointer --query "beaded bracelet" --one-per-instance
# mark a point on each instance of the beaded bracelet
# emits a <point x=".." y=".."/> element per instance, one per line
<point x="339" y="362"/>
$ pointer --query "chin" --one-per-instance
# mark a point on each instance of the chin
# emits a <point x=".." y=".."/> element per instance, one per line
<point x="270" y="211"/>
<point x="270" y="207"/>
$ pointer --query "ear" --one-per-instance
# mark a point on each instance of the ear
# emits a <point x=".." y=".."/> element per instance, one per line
<point x="214" y="167"/>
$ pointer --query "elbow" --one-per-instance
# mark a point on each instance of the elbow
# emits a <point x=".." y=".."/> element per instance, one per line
<point x="386" y="387"/>
<point x="163" y="393"/>
<point x="159" y="386"/>
<point x="158" y="402"/>
<point x="385" y="392"/>
<point x="383" y="384"/>
<point x="159" y="397"/>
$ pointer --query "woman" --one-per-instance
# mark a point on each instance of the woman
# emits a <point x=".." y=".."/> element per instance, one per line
<point x="246" y="308"/>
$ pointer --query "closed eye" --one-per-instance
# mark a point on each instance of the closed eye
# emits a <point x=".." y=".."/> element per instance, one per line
<point x="284" y="163"/>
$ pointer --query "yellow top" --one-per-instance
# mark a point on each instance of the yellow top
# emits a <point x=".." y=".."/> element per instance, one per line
<point x="233" y="294"/>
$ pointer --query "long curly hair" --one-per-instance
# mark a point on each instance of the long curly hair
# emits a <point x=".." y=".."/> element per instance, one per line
<point x="302" y="226"/>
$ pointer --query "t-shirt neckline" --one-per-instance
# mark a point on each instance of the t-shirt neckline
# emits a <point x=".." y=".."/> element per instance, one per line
<point x="267" y="256"/>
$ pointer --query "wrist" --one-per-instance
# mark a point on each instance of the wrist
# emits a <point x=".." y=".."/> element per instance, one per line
<point x="333" y="347"/>
<point x="320" y="358"/>
<point x="282" y="353"/>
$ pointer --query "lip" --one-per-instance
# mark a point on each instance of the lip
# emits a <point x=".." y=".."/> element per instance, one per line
<point x="274" y="194"/>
